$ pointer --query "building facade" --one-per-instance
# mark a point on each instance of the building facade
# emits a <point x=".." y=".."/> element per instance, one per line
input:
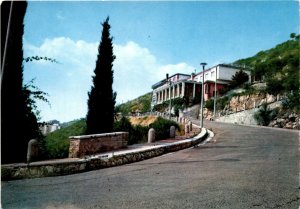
<point x="190" y="86"/>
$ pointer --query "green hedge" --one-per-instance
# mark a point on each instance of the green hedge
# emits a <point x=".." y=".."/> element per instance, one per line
<point x="162" y="128"/>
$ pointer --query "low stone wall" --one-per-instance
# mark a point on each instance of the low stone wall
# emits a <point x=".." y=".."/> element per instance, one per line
<point x="43" y="169"/>
<point x="81" y="146"/>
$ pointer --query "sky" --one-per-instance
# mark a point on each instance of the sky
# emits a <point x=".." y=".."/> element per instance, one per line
<point x="150" y="39"/>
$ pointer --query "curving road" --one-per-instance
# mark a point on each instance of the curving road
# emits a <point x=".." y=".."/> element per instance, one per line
<point x="246" y="167"/>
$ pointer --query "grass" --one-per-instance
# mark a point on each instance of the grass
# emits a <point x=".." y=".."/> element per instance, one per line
<point x="56" y="144"/>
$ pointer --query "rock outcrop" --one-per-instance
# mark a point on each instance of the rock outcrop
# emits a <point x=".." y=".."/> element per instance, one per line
<point x="289" y="120"/>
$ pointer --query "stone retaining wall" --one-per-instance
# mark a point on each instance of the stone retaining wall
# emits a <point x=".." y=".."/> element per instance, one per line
<point x="35" y="170"/>
<point x="245" y="117"/>
<point x="81" y="146"/>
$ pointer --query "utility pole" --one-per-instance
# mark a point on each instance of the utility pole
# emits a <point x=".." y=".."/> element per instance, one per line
<point x="215" y="96"/>
<point x="170" y="105"/>
<point x="202" y="94"/>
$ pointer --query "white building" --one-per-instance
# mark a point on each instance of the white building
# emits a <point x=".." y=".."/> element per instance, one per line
<point x="180" y="85"/>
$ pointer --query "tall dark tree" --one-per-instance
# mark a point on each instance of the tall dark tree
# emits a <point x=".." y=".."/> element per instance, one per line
<point x="18" y="122"/>
<point x="101" y="101"/>
<point x="239" y="78"/>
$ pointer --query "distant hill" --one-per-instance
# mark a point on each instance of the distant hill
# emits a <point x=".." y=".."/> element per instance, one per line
<point x="66" y="124"/>
<point x="278" y="66"/>
<point x="141" y="104"/>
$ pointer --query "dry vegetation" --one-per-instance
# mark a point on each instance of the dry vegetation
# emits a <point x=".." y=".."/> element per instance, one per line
<point x="143" y="121"/>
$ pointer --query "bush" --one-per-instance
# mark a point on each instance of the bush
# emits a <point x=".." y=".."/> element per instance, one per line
<point x="139" y="134"/>
<point x="136" y="133"/>
<point x="264" y="115"/>
<point x="162" y="128"/>
<point x="274" y="86"/>
<point x="209" y="104"/>
<point x="292" y="102"/>
<point x="222" y="102"/>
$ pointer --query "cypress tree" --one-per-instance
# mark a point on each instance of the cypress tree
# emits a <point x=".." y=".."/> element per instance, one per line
<point x="101" y="98"/>
<point x="18" y="122"/>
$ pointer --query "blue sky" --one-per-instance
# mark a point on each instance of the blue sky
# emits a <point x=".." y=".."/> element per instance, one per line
<point x="150" y="40"/>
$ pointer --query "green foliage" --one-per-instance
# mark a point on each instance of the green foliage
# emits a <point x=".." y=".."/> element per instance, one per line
<point x="101" y="101"/>
<point x="278" y="66"/>
<point x="238" y="79"/>
<point x="274" y="86"/>
<point x="179" y="104"/>
<point x="161" y="107"/>
<point x="140" y="104"/>
<point x="32" y="94"/>
<point x="162" y="128"/>
<point x="209" y="104"/>
<point x="140" y="133"/>
<point x="292" y="102"/>
<point x="222" y="102"/>
<point x="37" y="58"/>
<point x="264" y="115"/>
<point x="56" y="144"/>
<point x="137" y="133"/>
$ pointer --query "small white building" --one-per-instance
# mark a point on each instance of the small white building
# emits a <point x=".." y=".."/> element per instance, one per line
<point x="48" y="128"/>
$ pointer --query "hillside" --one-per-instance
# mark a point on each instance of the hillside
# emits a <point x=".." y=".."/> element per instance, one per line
<point x="141" y="104"/>
<point x="56" y="144"/>
<point x="278" y="66"/>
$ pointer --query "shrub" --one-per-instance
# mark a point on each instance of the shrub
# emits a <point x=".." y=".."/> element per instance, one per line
<point x="137" y="133"/>
<point x="264" y="115"/>
<point x="123" y="125"/>
<point x="222" y="102"/>
<point x="292" y="102"/>
<point x="162" y="128"/>
<point x="209" y="104"/>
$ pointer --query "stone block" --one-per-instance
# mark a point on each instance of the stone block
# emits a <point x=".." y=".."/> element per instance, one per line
<point x="187" y="128"/>
<point x="151" y="135"/>
<point x="172" y="131"/>
<point x="32" y="150"/>
<point x="191" y="126"/>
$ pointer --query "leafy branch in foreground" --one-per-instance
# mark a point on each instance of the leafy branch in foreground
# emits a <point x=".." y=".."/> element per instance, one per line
<point x="27" y="59"/>
<point x="32" y="93"/>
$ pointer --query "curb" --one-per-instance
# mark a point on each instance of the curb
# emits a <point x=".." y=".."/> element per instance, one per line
<point x="14" y="172"/>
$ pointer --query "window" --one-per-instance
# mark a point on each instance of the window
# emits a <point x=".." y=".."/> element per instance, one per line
<point x="212" y="74"/>
<point x="206" y="75"/>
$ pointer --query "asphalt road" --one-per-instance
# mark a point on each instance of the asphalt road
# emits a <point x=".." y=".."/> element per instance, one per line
<point x="247" y="167"/>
